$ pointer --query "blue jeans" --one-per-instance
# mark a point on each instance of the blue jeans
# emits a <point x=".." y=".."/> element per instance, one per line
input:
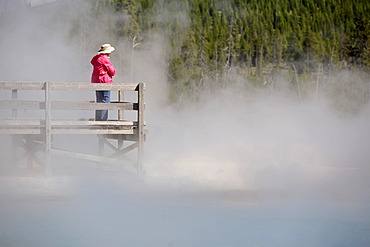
<point x="102" y="97"/>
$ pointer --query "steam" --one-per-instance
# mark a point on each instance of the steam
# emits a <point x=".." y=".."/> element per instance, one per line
<point x="234" y="138"/>
<point x="262" y="142"/>
<point x="239" y="166"/>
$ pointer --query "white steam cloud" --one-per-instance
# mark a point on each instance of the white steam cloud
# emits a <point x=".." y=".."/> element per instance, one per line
<point x="240" y="168"/>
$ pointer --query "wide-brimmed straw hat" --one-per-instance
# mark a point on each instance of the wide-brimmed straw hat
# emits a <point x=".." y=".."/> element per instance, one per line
<point x="106" y="48"/>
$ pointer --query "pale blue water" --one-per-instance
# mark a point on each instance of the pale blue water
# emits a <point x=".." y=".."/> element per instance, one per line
<point x="100" y="212"/>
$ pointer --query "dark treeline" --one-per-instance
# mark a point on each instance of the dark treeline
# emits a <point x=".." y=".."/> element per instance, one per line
<point x="210" y="38"/>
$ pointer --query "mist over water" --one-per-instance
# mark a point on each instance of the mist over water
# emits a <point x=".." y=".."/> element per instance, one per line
<point x="241" y="167"/>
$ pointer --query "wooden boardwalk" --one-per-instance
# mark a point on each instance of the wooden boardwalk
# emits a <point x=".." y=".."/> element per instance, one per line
<point x="35" y="134"/>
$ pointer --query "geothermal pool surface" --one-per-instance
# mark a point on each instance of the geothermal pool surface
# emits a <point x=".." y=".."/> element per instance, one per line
<point x="124" y="210"/>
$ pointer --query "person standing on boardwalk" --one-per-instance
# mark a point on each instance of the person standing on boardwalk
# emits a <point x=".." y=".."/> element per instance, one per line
<point x="103" y="72"/>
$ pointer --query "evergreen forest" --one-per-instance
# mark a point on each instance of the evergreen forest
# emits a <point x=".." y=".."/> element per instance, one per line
<point x="211" y="38"/>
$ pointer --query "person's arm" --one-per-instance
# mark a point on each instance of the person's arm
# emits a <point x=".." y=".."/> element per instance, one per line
<point x="110" y="68"/>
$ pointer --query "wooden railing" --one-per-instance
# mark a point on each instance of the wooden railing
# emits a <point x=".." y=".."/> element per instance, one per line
<point x="45" y="125"/>
<point x="14" y="124"/>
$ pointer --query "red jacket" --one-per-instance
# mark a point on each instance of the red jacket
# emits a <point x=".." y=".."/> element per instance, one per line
<point x="103" y="69"/>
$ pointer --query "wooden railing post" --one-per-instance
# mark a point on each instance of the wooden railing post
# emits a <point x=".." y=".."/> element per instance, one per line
<point x="121" y="116"/>
<point x="140" y="126"/>
<point x="14" y="137"/>
<point x="121" y="98"/>
<point x="47" y="127"/>
<point x="14" y="97"/>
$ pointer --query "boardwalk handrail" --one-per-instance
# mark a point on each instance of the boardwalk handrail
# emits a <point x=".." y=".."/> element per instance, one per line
<point x="14" y="125"/>
<point x="11" y="85"/>
<point x="43" y="127"/>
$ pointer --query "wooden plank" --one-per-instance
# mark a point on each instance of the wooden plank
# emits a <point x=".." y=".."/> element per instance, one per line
<point x="121" y="116"/>
<point x="94" y="158"/>
<point x="132" y="138"/>
<point x="17" y="85"/>
<point x="14" y="97"/>
<point x="108" y="123"/>
<point x="140" y="120"/>
<point x="124" y="151"/>
<point x="83" y="156"/>
<point x="48" y="132"/>
<point x="121" y="97"/>
<point x="16" y="131"/>
<point x="56" y="123"/>
<point x="22" y="104"/>
<point x="86" y="105"/>
<point x="94" y="131"/>
<point x="94" y="86"/>
<point x="108" y="143"/>
<point x="21" y="122"/>
<point x="65" y="105"/>
<point x="75" y="131"/>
